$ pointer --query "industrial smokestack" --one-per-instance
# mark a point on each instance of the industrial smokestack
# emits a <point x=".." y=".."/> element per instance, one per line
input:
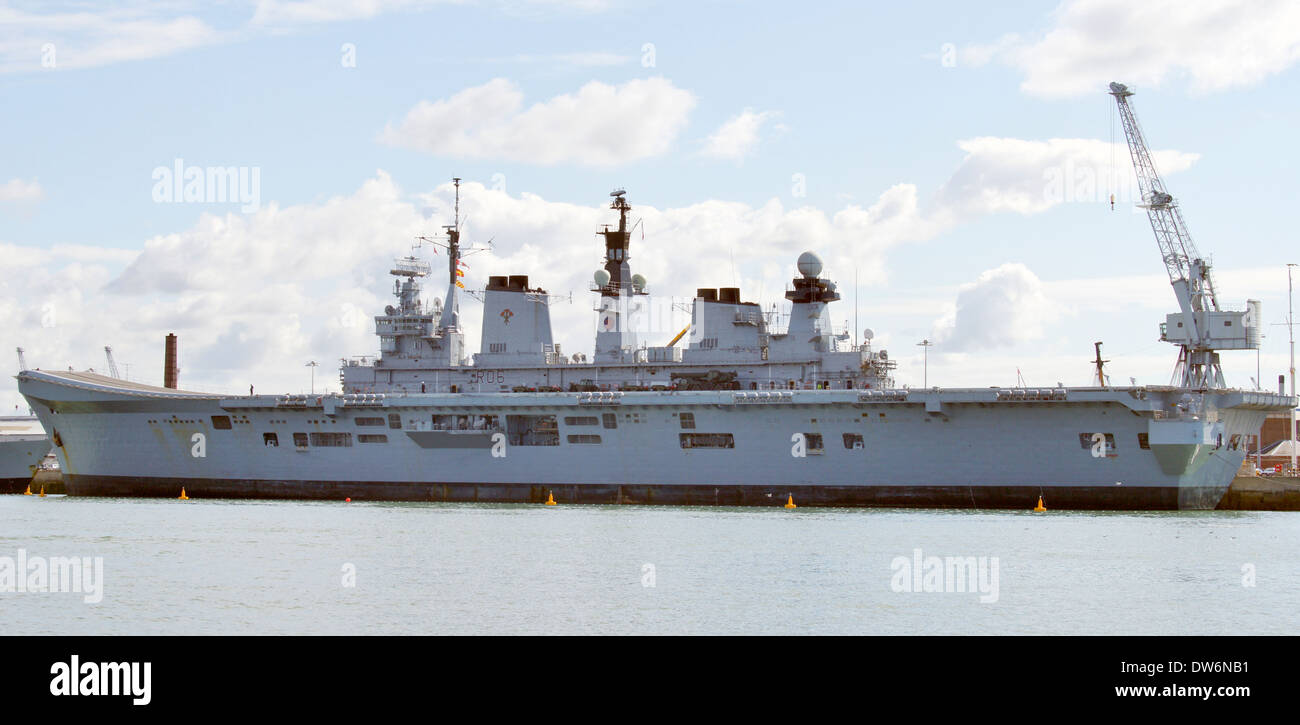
<point x="171" y="370"/>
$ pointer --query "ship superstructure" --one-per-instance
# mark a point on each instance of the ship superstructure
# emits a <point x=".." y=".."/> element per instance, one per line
<point x="730" y="343"/>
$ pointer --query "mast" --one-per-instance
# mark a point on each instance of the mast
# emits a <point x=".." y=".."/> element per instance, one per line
<point x="617" y="243"/>
<point x="451" y="304"/>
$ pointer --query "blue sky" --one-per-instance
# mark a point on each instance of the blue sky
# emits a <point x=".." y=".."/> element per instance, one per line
<point x="855" y="97"/>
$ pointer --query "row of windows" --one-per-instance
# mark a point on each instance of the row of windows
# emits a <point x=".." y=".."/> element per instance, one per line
<point x="323" y="440"/>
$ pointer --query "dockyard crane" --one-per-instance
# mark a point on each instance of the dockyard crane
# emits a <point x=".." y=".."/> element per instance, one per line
<point x="112" y="366"/>
<point x="1201" y="328"/>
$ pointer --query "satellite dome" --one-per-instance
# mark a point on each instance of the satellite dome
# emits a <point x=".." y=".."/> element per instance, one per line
<point x="638" y="281"/>
<point x="601" y="277"/>
<point x="810" y="265"/>
<point x="867" y="334"/>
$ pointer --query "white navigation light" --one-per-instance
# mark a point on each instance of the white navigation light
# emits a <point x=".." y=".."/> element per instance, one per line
<point x="810" y="265"/>
<point x="601" y="277"/>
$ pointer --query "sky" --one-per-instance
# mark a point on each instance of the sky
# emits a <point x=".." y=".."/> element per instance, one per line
<point x="952" y="165"/>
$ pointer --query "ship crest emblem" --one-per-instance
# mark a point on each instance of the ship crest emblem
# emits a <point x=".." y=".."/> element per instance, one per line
<point x="506" y="314"/>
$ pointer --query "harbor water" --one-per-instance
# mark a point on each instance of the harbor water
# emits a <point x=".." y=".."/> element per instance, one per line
<point x="218" y="567"/>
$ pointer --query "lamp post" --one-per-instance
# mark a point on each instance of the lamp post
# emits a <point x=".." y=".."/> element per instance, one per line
<point x="312" y="365"/>
<point x="925" y="346"/>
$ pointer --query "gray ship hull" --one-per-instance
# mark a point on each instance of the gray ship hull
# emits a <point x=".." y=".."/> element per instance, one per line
<point x="19" y="456"/>
<point x="1079" y="448"/>
<point x="973" y="496"/>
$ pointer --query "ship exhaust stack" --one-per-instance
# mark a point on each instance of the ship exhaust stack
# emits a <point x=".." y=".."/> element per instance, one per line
<point x="171" y="369"/>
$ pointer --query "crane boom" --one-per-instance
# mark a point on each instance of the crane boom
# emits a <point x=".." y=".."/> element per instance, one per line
<point x="1201" y="328"/>
<point x="112" y="365"/>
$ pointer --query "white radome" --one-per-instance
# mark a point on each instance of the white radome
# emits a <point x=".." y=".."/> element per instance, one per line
<point x="601" y="277"/>
<point x="810" y="265"/>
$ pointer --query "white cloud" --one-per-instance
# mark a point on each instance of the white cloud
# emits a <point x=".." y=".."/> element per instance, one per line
<point x="736" y="138"/>
<point x="1214" y="44"/>
<point x="294" y="12"/>
<point x="1003" y="307"/>
<point x="1029" y="177"/>
<point x="80" y="38"/>
<point x="17" y="190"/>
<point x="598" y="125"/>
<point x="304" y="12"/>
<point x="70" y="34"/>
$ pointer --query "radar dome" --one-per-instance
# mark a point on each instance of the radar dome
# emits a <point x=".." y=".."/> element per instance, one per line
<point x="601" y="277"/>
<point x="867" y="334"/>
<point x="638" y="281"/>
<point x="810" y="265"/>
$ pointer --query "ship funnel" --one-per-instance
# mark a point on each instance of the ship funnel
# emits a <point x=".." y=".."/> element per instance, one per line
<point x="171" y="368"/>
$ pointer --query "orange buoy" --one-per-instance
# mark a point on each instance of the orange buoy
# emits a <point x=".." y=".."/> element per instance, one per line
<point x="1040" y="507"/>
<point x="789" y="502"/>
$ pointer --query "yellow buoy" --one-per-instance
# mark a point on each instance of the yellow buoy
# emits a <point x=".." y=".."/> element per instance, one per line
<point x="28" y="492"/>
<point x="1040" y="507"/>
<point x="550" y="499"/>
<point x="789" y="502"/>
<point x="42" y="492"/>
<point x="183" y="497"/>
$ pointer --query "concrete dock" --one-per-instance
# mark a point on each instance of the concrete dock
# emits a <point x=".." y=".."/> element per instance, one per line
<point x="1262" y="493"/>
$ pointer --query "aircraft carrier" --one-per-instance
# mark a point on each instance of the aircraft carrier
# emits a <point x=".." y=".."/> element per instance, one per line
<point x="739" y="413"/>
